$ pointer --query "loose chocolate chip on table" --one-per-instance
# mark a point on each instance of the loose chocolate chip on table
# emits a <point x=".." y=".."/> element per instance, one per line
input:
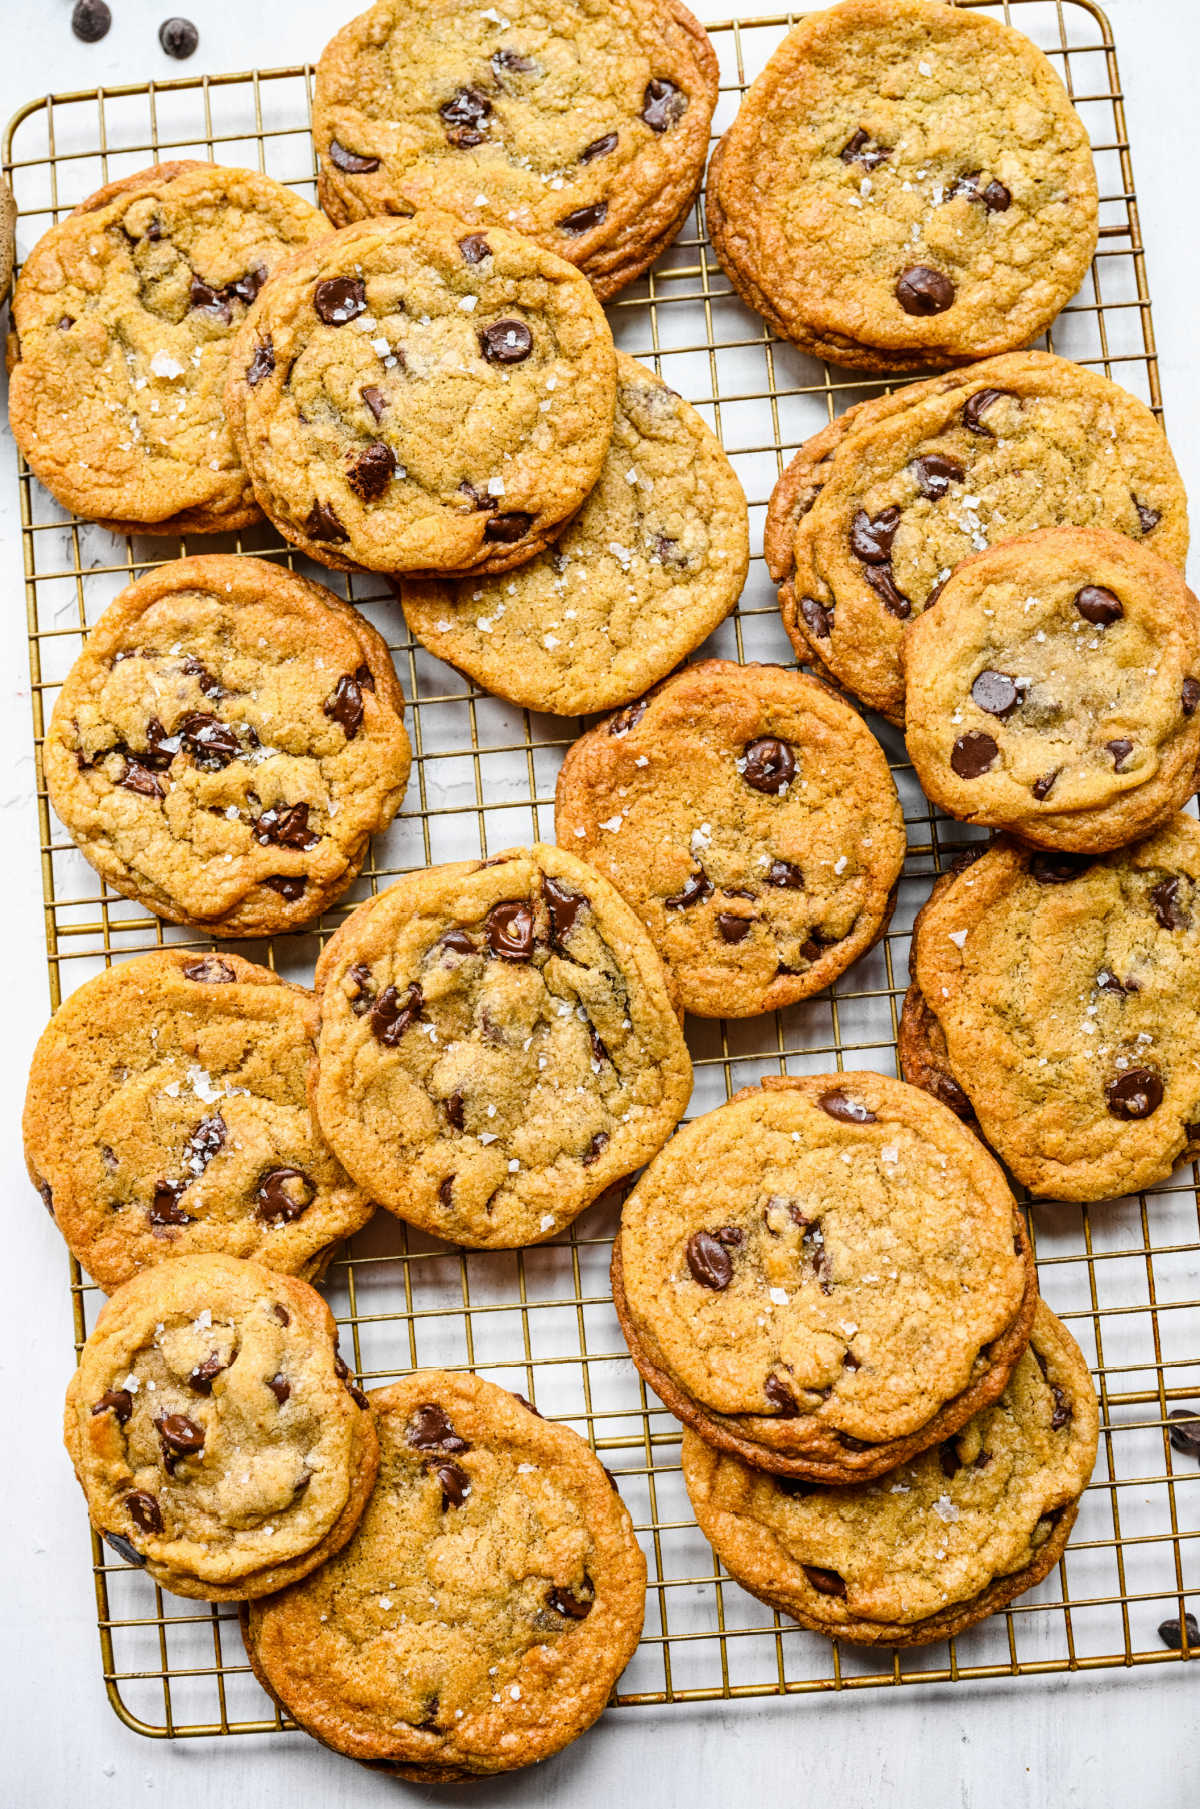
<point x="392" y="1014"/>
<point x="510" y="929"/>
<point x="935" y="474"/>
<point x="1098" y="605"/>
<point x="1042" y="787"/>
<point x="1135" y="1094"/>
<point x="781" y="1398"/>
<point x="289" y="886"/>
<point x="825" y="1582"/>
<point x="584" y="218"/>
<point x="1167" y="908"/>
<point x="512" y="62"/>
<point x="324" y="523"/>
<point x="850" y="1111"/>
<point x="140" y="779"/>
<point x="662" y="104"/>
<point x="456" y="1484"/>
<point x="562" y="906"/>
<point x="859" y="149"/>
<point x="179" y="1433"/>
<point x="282" y="1195"/>
<point x="430" y="1429"/>
<point x="871" y="539"/>
<point x="165" y="1208"/>
<point x="769" y="765"/>
<point x="372" y="471"/>
<point x="995" y="692"/>
<point x="1183" y="1430"/>
<point x="178" y="38"/>
<point x="351" y="161"/>
<point x="571" y="1606"/>
<point x="204" y="1374"/>
<point x="709" y="1261"/>
<point x="285" y="826"/>
<point x="280" y="1387"/>
<point x="474" y="249"/>
<point x="975" y="406"/>
<point x="1148" y="518"/>
<point x="122" y="1547"/>
<point x="144" y="1511"/>
<point x="696" y="888"/>
<point x="1171" y="1633"/>
<point x="1120" y="751"/>
<point x="599" y="147"/>
<point x="595" y="1149"/>
<point x="262" y="363"/>
<point x="506" y="342"/>
<point x="732" y="927"/>
<point x="973" y="754"/>
<point x="90" y="21"/>
<point x="338" y="299"/>
<point x="921" y="290"/>
<point x="818" y="617"/>
<point x="118" y="1402"/>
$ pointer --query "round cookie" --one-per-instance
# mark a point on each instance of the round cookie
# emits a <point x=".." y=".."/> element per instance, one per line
<point x="749" y="817"/>
<point x="1052" y="690"/>
<point x="824" y="1276"/>
<point x="216" y="1432"/>
<point x="413" y="397"/>
<point x="166" y="1116"/>
<point x="653" y="562"/>
<point x="938" y="1544"/>
<point x="1059" y="1000"/>
<point x="491" y="1597"/>
<point x="873" y="514"/>
<point x="498" y="1045"/>
<point x="122" y="324"/>
<point x="906" y="186"/>
<point x="227" y="743"/>
<point x="582" y="125"/>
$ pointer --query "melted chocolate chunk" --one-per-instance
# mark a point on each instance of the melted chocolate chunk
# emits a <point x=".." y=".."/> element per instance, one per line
<point x="392" y="1014"/>
<point x="781" y="1398"/>
<point x="1058" y="869"/>
<point x="474" y="249"/>
<point x="732" y="927"/>
<point x="204" y="1374"/>
<point x="565" y="1602"/>
<point x="871" y="539"/>
<point x="165" y="1208"/>
<point x="196" y="669"/>
<point x="584" y="218"/>
<point x="825" y="1582"/>
<point x="935" y="474"/>
<point x="464" y="116"/>
<point x="599" y="1052"/>
<point x="506" y="342"/>
<point x="1110" y="982"/>
<point x="1098" y="605"/>
<point x="596" y="1149"/>
<point x="1148" y="518"/>
<point x="859" y="149"/>
<point x="1042" y="787"/>
<point x="920" y="290"/>
<point x="813" y="1245"/>
<point x="179" y="1434"/>
<point x="599" y="147"/>
<point x="345" y="705"/>
<point x="1189" y="696"/>
<point x="118" y="1402"/>
<point x="975" y="407"/>
<point x="1167" y="907"/>
<point x="211" y="742"/>
<point x="629" y="717"/>
<point x="818" y="617"/>
<point x="973" y="754"/>
<point x="144" y="1511"/>
<point x="200" y="295"/>
<point x="1120" y="751"/>
<point x="1063" y="1412"/>
<point x="996" y="198"/>
<point x="283" y="1194"/>
<point x="510" y="929"/>
<point x="455" y="1483"/>
<point x="662" y="104"/>
<point x="206" y="1141"/>
<point x="769" y="765"/>
<point x="995" y="692"/>
<point x="1134" y="1094"/>
<point x="850" y="1111"/>
<point x="375" y="400"/>
<point x="122" y="1547"/>
<point x="351" y="161"/>
<point x="372" y="471"/>
<point x="948" y="1456"/>
<point x="696" y="888"/>
<point x="140" y="779"/>
<point x="709" y="1261"/>
<point x="261" y="364"/>
<point x="339" y="299"/>
<point x="458" y="942"/>
<point x="430" y="1429"/>
<point x="288" y="886"/>
<point x="507" y="529"/>
<point x="562" y="907"/>
<point x="880" y="578"/>
<point x="1183" y="1430"/>
<point x="947" y="1089"/>
<point x="324" y="523"/>
<point x="285" y="826"/>
<point x="786" y="874"/>
<point x="352" y="1388"/>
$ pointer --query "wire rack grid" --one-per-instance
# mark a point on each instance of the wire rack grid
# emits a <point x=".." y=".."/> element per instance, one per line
<point x="1125" y="1275"/>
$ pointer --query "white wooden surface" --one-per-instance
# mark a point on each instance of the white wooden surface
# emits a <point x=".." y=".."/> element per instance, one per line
<point x="1118" y="1739"/>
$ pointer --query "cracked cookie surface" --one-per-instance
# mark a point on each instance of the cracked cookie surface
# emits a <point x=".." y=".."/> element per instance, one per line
<point x="227" y="743"/>
<point x="1052" y="690"/>
<point x="906" y="185"/>
<point x="490" y="1599"/>
<point x="824" y="1276"/>
<point x="215" y="1431"/>
<point x="1059" y="998"/>
<point x="873" y="514"/>
<point x="498" y="1045"/>
<point x="749" y="817"/>
<point x="582" y="125"/>
<point x="166" y="1115"/>
<point x="653" y="562"/>
<point x="122" y="322"/>
<point x="414" y="397"/>
<point x="936" y="1545"/>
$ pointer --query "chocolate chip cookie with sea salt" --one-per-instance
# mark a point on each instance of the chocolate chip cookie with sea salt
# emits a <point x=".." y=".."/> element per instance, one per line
<point x="216" y="1432"/>
<point x="582" y="123"/>
<point x="166" y="1116"/>
<point x="122" y="323"/>
<point x="413" y="396"/>
<point x="749" y="817"/>
<point x="227" y="743"/>
<point x="824" y="1276"/>
<point x="498" y="1045"/>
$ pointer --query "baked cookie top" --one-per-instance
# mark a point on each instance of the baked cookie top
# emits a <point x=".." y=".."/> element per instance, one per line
<point x="1067" y="995"/>
<point x="492" y="1595"/>
<point x="411" y="396"/>
<point x="905" y="185"/>
<point x="166" y="1115"/>
<point x="122" y="322"/>
<point x="1053" y="689"/>
<point x="822" y="1267"/>
<point x="581" y="123"/>
<point x="919" y="1550"/>
<point x="498" y="1045"/>
<point x="653" y="562"/>
<point x="749" y="817"/>
<point x="214" y="1430"/>
<point x="873" y="514"/>
<point x="226" y="743"/>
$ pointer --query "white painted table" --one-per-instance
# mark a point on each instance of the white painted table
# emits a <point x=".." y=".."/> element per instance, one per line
<point x="1119" y="1739"/>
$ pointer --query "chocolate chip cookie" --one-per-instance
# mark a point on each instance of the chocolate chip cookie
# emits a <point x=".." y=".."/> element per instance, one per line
<point x="938" y="1544"/>
<point x="824" y="1276"/>
<point x="653" y="562"/>
<point x="1058" y="999"/>
<point x="166" y="1115"/>
<point x="227" y="743"/>
<point x="1052" y="690"/>
<point x="749" y="817"/>
<point x="498" y="1045"/>
<point x="484" y="1609"/>
<point x="906" y="186"/>
<point x="122" y="323"/>
<point x="414" y="397"/>
<point x="215" y="1430"/>
<point x="583" y="125"/>
<point x="872" y="515"/>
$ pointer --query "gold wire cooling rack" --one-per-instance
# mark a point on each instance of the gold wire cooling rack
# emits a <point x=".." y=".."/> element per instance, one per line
<point x="1125" y="1275"/>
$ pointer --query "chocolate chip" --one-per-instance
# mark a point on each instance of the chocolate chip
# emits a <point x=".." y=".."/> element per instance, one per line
<point x="323" y="523"/>
<point x="179" y="1434"/>
<point x="506" y="342"/>
<point x="288" y="886"/>
<point x="463" y="116"/>
<point x="599" y="1052"/>
<point x="429" y="1429"/>
<point x="165" y="1208"/>
<point x="206" y="1141"/>
<point x="1057" y="869"/>
<point x="1063" y="1411"/>
<point x="1167" y="908"/>
<point x="785" y="873"/>
<point x="456" y="1484"/>
<point x="211" y="742"/>
<point x="342" y="1371"/>
<point x="1107" y="981"/>
<point x="850" y="1361"/>
<point x="769" y="765"/>
<point x="194" y="668"/>
<point x="202" y="1377"/>
<point x="1042" y="787"/>
<point x="880" y="578"/>
<point x="973" y="754"/>
<point x="948" y="1456"/>
<point x="662" y="104"/>
<point x="947" y="1089"/>
<point x="1183" y="1430"/>
<point x="975" y="406"/>
<point x="709" y="1261"/>
<point x="90" y="21"/>
<point x="818" y="617"/>
<point x="262" y="363"/>
<point x="696" y="888"/>
<point x="285" y="826"/>
<point x="474" y="249"/>
<point x="732" y="927"/>
<point x="344" y="705"/>
<point x="562" y="906"/>
<point x="200" y="295"/>
<point x="458" y="941"/>
<point x="920" y="290"/>
<point x="871" y="539"/>
<point x="510" y="930"/>
<point x="511" y="62"/>
<point x="935" y="474"/>
<point x="1148" y="518"/>
<point x="351" y="161"/>
<point x="122" y="1547"/>
<point x="595" y="1149"/>
<point x="283" y="1194"/>
<point x="509" y="528"/>
<point x="338" y="299"/>
<point x="850" y="1111"/>
<point x="372" y="471"/>
<point x="584" y="218"/>
<point x="118" y="1402"/>
<point x="825" y="1582"/>
<point x="571" y="1606"/>
<point x="995" y="692"/>
<point x="858" y="149"/>
<point x="375" y="400"/>
<point x="178" y="38"/>
<point x="281" y="1313"/>
<point x="280" y="1387"/>
<point x="1098" y="605"/>
<point x="1120" y="751"/>
<point x="599" y="147"/>
<point x="140" y="779"/>
<point x="446" y="1188"/>
<point x="1135" y="1094"/>
<point x="1189" y="696"/>
<point x="935" y="593"/>
<point x="1171" y="1633"/>
<point x="392" y="1014"/>
<point x="629" y="717"/>
<point x="144" y="1511"/>
<point x="781" y="1398"/>
<point x="813" y="1245"/>
<point x="65" y="321"/>
<point x="996" y="198"/>
<point x="795" y="1486"/>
